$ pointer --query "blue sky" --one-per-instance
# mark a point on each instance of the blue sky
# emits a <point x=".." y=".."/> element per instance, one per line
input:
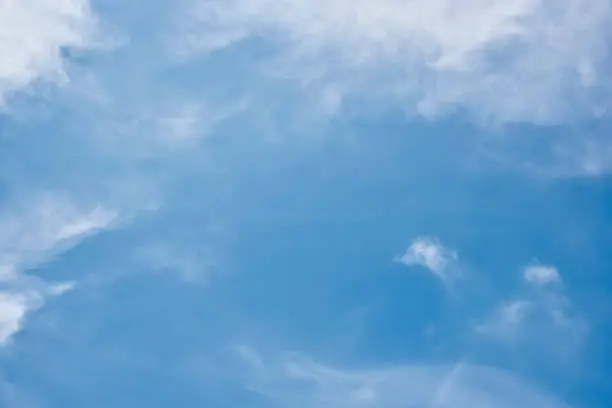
<point x="306" y="203"/>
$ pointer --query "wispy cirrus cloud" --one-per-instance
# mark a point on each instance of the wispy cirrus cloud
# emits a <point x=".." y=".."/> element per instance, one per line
<point x="431" y="254"/>
<point x="47" y="223"/>
<point x="509" y="61"/>
<point x="99" y="139"/>
<point x="299" y="381"/>
<point x="30" y="236"/>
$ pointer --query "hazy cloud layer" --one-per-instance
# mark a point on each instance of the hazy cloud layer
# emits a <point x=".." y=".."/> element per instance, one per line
<point x="518" y="60"/>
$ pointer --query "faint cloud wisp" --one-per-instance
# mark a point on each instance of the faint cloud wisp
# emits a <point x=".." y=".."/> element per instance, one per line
<point x="299" y="381"/>
<point x="543" y="316"/>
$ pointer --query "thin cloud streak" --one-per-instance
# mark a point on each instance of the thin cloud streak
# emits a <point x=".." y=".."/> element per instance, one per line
<point x="295" y="380"/>
<point x="29" y="237"/>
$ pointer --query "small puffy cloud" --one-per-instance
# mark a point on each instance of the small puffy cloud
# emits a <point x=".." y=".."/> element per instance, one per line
<point x="33" y="35"/>
<point x="541" y="274"/>
<point x="537" y="316"/>
<point x="431" y="254"/>
<point x="509" y="60"/>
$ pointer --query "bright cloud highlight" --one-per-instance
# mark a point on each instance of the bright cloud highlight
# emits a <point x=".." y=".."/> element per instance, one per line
<point x="429" y="253"/>
<point x="33" y="36"/>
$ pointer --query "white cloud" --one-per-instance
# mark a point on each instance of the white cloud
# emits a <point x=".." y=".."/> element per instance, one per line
<point x="47" y="224"/>
<point x="33" y="34"/>
<point x="15" y="304"/>
<point x="13" y="308"/>
<point x="297" y="381"/>
<point x="30" y="236"/>
<point x="547" y="322"/>
<point x="544" y="317"/>
<point x="511" y="60"/>
<point x="429" y="253"/>
<point x="541" y="274"/>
